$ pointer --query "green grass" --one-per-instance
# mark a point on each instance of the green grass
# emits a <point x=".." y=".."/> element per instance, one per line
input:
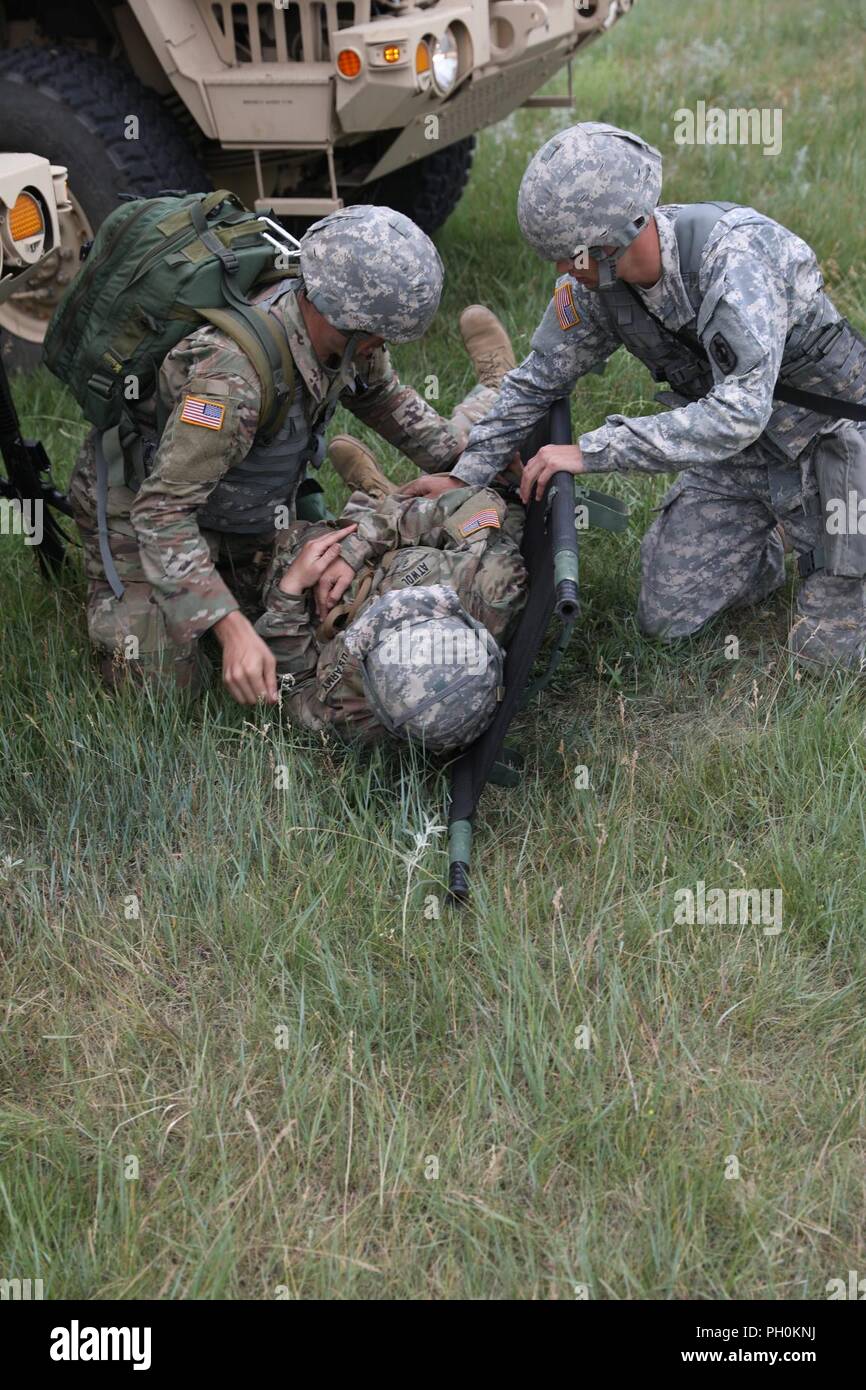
<point x="298" y="1160"/>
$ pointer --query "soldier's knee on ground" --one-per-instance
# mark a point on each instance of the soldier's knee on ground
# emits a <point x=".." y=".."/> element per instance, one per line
<point x="656" y="618"/>
<point x="132" y="644"/>
<point x="702" y="555"/>
<point x="830" y="627"/>
<point x="188" y="671"/>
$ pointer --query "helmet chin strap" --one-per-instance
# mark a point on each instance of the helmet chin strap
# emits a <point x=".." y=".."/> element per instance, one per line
<point x="607" y="260"/>
<point x="337" y="385"/>
<point x="607" y="275"/>
<point x="350" y="349"/>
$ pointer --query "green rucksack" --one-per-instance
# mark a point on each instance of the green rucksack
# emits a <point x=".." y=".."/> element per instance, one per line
<point x="158" y="268"/>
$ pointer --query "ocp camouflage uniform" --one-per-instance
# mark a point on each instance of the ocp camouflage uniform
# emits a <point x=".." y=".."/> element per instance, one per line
<point x="747" y="297"/>
<point x="467" y="540"/>
<point x="194" y="540"/>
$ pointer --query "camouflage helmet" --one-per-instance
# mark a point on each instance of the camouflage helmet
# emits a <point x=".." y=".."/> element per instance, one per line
<point x="430" y="671"/>
<point x="371" y="270"/>
<point x="590" y="186"/>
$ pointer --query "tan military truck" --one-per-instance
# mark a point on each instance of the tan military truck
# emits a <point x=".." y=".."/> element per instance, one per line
<point x="297" y="105"/>
<point x="33" y="208"/>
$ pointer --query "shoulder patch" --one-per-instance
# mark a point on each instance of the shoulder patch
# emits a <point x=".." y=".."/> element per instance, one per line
<point x="197" y="411"/>
<point x="479" y="521"/>
<point x="566" y="312"/>
<point x="723" y="353"/>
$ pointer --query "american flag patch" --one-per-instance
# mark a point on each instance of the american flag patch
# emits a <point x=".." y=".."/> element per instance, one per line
<point x="480" y="521"/>
<point x="565" y="310"/>
<point x="198" y="412"/>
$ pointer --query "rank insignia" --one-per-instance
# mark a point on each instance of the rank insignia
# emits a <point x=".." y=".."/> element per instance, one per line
<point x="480" y="521"/>
<point x="209" y="414"/>
<point x="565" y="309"/>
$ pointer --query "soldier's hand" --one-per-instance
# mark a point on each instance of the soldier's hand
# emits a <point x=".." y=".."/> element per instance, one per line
<point x="553" y="458"/>
<point x="249" y="665"/>
<point x="313" y="559"/>
<point x="332" y="586"/>
<point x="430" y="485"/>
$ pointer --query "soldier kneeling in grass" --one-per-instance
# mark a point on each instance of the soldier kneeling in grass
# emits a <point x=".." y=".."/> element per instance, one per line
<point x="767" y="418"/>
<point x="180" y="515"/>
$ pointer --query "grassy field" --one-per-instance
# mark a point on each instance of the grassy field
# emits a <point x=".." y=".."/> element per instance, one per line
<point x="296" y="1073"/>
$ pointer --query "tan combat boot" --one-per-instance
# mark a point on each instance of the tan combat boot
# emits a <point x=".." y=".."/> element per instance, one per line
<point x="488" y="345"/>
<point x="358" y="467"/>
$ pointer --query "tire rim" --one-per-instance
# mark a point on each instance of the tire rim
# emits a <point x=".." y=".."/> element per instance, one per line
<point x="26" y="315"/>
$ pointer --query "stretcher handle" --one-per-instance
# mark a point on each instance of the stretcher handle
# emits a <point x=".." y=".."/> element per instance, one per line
<point x="563" y="530"/>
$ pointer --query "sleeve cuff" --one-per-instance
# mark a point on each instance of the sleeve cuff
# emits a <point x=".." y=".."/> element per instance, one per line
<point x="443" y="465"/>
<point x="290" y="605"/>
<point x="472" y="472"/>
<point x="207" y="615"/>
<point x="596" y="453"/>
<point x="355" y="552"/>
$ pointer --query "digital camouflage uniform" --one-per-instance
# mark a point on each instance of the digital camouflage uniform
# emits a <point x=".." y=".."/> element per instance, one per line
<point x="750" y="306"/>
<point x="182" y="575"/>
<point x="466" y="539"/>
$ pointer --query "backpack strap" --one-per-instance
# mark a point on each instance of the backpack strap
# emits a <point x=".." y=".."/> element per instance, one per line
<point x="198" y="214"/>
<point x="342" y="614"/>
<point x="259" y="337"/>
<point x="108" y="454"/>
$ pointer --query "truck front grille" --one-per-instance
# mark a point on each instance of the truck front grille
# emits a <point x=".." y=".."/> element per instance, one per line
<point x="302" y="31"/>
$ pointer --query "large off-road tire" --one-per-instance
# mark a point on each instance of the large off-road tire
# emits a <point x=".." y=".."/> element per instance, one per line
<point x="429" y="190"/>
<point x="72" y="108"/>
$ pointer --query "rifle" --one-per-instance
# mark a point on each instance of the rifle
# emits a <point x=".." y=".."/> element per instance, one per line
<point x="550" y="553"/>
<point x="36" y="191"/>
<point x="28" y="480"/>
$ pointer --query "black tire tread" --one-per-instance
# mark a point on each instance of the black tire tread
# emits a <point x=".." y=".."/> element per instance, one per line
<point x="430" y="190"/>
<point x="99" y="93"/>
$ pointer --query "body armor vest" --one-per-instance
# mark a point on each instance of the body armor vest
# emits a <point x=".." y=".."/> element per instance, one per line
<point x="245" y="500"/>
<point x="823" y="353"/>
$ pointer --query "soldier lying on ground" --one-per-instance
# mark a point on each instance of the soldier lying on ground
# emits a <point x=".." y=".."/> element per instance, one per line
<point x="728" y="307"/>
<point x="193" y="512"/>
<point x="432" y="588"/>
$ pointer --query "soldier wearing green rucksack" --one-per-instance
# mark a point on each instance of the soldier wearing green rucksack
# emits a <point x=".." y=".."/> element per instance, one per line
<point x="204" y="434"/>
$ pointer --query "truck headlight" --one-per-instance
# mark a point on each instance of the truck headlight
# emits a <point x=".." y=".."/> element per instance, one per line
<point x="445" y="60"/>
<point x="423" y="66"/>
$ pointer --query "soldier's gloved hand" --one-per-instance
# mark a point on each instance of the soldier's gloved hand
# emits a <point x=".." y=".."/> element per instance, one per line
<point x="249" y="665"/>
<point x="553" y="458"/>
<point x="430" y="485"/>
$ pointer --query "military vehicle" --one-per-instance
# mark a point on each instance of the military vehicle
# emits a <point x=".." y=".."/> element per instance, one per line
<point x="299" y="106"/>
<point x="34" y="205"/>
